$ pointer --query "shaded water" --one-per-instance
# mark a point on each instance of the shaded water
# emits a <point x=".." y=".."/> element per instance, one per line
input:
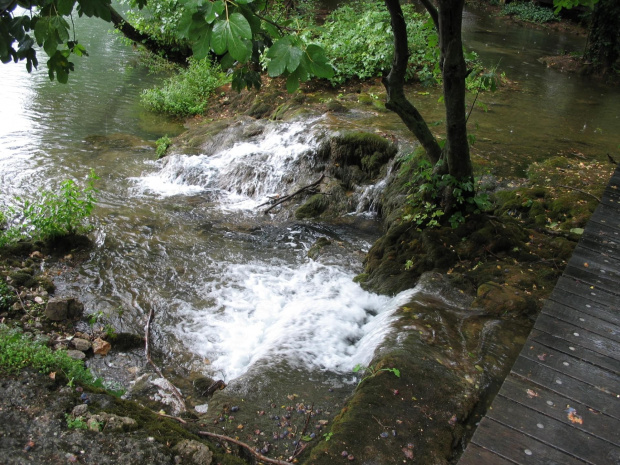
<point x="233" y="289"/>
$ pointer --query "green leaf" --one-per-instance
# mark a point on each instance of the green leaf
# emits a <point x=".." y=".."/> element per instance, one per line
<point x="65" y="7"/>
<point x="292" y="83"/>
<point x="50" y="46"/>
<point x="230" y="35"/>
<point x="318" y="62"/>
<point x="202" y="47"/>
<point x="285" y="56"/>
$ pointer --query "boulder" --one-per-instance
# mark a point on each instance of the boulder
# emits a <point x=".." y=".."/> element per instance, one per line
<point x="59" y="309"/>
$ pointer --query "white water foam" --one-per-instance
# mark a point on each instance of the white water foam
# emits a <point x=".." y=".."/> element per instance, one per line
<point x="243" y="175"/>
<point x="309" y="315"/>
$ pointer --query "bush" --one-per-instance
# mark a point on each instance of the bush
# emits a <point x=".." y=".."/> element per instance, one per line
<point x="186" y="93"/>
<point x="361" y="44"/>
<point x="52" y="214"/>
<point x="19" y="351"/>
<point x="529" y="12"/>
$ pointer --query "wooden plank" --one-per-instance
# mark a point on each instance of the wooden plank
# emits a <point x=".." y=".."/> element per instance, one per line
<point x="583" y="320"/>
<point x="476" y="455"/>
<point x="607" y="248"/>
<point x="578" y="336"/>
<point x="574" y="350"/>
<point x="601" y="232"/>
<point x="519" y="448"/>
<point x="586" y="291"/>
<point x="601" y="281"/>
<point x="606" y="216"/>
<point x="567" y="386"/>
<point x="610" y="313"/>
<point x="555" y="406"/>
<point x="596" y="260"/>
<point x="574" y="367"/>
<point x="552" y="432"/>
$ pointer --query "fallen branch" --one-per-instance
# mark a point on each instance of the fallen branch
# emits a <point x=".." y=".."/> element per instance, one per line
<point x="147" y="350"/>
<point x="249" y="448"/>
<point x="299" y="448"/>
<point x="297" y="192"/>
<point x="583" y="192"/>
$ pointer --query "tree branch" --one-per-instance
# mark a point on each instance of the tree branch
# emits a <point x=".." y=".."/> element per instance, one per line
<point x="175" y="54"/>
<point x="250" y="449"/>
<point x="431" y="11"/>
<point x="297" y="192"/>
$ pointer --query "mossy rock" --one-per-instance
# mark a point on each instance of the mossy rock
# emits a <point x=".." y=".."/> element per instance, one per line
<point x="335" y="106"/>
<point x="23" y="278"/>
<point x="315" y="250"/>
<point x="313" y="207"/>
<point x="355" y="147"/>
<point x="502" y="300"/>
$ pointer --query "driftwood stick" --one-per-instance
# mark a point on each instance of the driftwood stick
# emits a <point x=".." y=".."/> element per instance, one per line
<point x="147" y="350"/>
<point x="300" y="448"/>
<point x="249" y="448"/>
<point x="297" y="192"/>
<point x="583" y="192"/>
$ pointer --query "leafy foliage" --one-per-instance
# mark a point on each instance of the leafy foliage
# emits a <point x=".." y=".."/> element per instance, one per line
<point x="425" y="187"/>
<point x="530" y="12"/>
<point x="372" y="371"/>
<point x="45" y="19"/>
<point x="163" y="143"/>
<point x="358" y="41"/>
<point x="53" y="214"/>
<point x="18" y="351"/>
<point x="186" y="93"/>
<point x="6" y="296"/>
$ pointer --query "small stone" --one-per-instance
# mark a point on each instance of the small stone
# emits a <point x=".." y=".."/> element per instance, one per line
<point x="79" y="410"/>
<point x="39" y="300"/>
<point x="193" y="452"/>
<point x="76" y="354"/>
<point x="101" y="347"/>
<point x="36" y="255"/>
<point x="351" y="457"/>
<point x="81" y="344"/>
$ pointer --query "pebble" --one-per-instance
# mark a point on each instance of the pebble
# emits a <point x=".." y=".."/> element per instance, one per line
<point x="234" y="408"/>
<point x="384" y="434"/>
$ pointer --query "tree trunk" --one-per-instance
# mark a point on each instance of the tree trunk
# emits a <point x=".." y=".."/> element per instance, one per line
<point x="454" y="72"/>
<point x="395" y="81"/>
<point x="454" y="158"/>
<point x="604" y="44"/>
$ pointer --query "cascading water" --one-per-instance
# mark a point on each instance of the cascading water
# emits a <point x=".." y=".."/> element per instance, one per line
<point x="271" y="302"/>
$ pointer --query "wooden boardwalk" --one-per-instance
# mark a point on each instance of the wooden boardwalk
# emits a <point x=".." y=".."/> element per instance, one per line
<point x="560" y="404"/>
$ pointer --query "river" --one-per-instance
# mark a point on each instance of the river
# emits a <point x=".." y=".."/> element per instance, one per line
<point x="234" y="291"/>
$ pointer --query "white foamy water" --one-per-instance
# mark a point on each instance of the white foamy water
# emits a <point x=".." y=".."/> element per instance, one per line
<point x="309" y="315"/>
<point x="242" y="175"/>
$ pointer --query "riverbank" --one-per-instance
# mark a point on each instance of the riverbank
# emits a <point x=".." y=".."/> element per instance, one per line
<point x="482" y="285"/>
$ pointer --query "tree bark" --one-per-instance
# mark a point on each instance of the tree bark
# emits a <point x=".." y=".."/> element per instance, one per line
<point x="454" y="72"/>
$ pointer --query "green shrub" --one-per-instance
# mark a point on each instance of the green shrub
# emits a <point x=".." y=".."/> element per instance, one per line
<point x="52" y="214"/>
<point x="163" y="143"/>
<point x="360" y="44"/>
<point x="19" y="351"/>
<point x="186" y="93"/>
<point x="6" y="296"/>
<point x="530" y="12"/>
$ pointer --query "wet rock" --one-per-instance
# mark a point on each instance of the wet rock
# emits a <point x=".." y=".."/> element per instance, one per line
<point x="59" y="309"/>
<point x="313" y="207"/>
<point x="495" y="299"/>
<point x="81" y="344"/>
<point x="101" y="347"/>
<point x="193" y="452"/>
<point x="22" y="277"/>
